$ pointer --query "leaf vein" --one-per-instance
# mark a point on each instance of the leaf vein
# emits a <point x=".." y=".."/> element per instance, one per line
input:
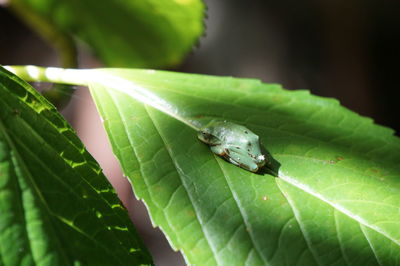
<point x="179" y="172"/>
<point x="238" y="205"/>
<point x="296" y="215"/>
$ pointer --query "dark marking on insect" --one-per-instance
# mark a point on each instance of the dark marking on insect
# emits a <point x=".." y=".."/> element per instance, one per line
<point x="206" y="136"/>
<point x="232" y="138"/>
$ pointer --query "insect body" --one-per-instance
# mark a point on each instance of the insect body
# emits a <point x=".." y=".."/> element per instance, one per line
<point x="235" y="143"/>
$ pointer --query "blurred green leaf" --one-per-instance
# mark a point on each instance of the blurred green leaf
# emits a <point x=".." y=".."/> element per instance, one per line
<point x="56" y="206"/>
<point x="146" y="33"/>
<point x="336" y="200"/>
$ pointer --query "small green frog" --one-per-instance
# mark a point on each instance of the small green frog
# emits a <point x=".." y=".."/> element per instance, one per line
<point x="235" y="143"/>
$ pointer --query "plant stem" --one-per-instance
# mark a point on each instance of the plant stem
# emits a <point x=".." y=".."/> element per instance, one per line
<point x="51" y="74"/>
<point x="87" y="77"/>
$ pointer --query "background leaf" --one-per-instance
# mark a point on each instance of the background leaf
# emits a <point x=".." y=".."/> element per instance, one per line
<point x="151" y="33"/>
<point x="336" y="200"/>
<point x="56" y="206"/>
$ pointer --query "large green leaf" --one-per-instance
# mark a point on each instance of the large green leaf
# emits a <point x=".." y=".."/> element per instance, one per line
<point x="336" y="199"/>
<point x="56" y="206"/>
<point x="145" y="33"/>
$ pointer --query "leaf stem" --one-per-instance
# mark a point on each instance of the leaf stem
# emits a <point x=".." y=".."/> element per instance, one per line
<point x="50" y="74"/>
<point x="88" y="77"/>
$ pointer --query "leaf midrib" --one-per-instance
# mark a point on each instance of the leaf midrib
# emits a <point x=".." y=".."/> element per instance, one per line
<point x="298" y="135"/>
<point x="28" y="175"/>
<point x="325" y="102"/>
<point x="39" y="194"/>
<point x="349" y="214"/>
<point x="314" y="159"/>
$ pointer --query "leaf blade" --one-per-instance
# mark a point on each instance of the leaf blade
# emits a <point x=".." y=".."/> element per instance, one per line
<point x="68" y="211"/>
<point x="153" y="33"/>
<point x="330" y="159"/>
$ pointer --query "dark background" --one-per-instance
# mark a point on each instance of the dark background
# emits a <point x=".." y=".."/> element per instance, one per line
<point x="346" y="49"/>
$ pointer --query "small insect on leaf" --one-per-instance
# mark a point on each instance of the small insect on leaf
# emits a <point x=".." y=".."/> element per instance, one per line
<point x="240" y="146"/>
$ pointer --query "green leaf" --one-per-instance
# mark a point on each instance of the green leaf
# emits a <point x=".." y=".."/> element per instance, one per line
<point x="336" y="199"/>
<point x="151" y="33"/>
<point x="56" y="206"/>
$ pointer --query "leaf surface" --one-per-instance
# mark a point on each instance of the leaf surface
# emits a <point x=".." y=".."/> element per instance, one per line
<point x="151" y="33"/>
<point x="56" y="206"/>
<point x="336" y="200"/>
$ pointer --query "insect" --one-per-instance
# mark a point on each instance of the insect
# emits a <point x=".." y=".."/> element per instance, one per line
<point x="235" y="143"/>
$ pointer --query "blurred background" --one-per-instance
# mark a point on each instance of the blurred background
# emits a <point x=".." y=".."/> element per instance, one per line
<point x="346" y="49"/>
